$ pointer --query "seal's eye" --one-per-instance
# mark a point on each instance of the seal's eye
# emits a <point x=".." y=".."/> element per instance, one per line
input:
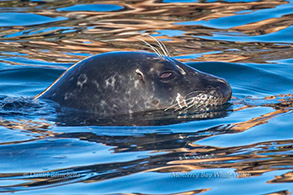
<point x="167" y="75"/>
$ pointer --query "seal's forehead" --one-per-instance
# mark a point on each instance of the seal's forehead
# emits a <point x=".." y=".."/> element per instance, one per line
<point x="166" y="62"/>
<point x="156" y="61"/>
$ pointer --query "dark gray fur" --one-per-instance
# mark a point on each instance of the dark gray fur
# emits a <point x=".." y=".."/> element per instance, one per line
<point x="128" y="82"/>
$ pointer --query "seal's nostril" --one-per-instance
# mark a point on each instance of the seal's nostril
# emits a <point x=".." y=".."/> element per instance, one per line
<point x="222" y="81"/>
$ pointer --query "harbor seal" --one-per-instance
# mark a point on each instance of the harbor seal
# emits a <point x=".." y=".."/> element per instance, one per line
<point x="118" y="83"/>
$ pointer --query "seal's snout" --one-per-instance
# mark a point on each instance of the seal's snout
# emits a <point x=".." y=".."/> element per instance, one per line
<point x="224" y="89"/>
<point x="219" y="89"/>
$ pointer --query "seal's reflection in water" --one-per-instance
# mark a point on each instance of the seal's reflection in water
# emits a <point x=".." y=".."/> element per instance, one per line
<point x="170" y="152"/>
<point x="172" y="143"/>
<point x="165" y="149"/>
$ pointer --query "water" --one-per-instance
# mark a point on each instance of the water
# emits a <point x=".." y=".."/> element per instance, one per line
<point x="246" y="151"/>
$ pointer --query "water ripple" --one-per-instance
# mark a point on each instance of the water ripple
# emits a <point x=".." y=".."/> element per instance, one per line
<point x="249" y="143"/>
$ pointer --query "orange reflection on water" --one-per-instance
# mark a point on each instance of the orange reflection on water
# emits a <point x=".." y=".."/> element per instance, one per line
<point x="117" y="30"/>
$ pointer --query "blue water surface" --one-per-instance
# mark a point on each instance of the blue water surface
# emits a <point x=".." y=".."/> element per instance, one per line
<point x="246" y="149"/>
<point x="25" y="19"/>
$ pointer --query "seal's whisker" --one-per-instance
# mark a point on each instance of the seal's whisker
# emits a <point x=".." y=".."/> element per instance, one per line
<point x="162" y="46"/>
<point x="169" y="55"/>
<point x="179" y="104"/>
<point x="170" y="107"/>
<point x="190" y="102"/>
<point x="185" y="104"/>
<point x="152" y="47"/>
<point x="191" y="105"/>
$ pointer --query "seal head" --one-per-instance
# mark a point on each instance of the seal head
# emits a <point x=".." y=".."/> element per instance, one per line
<point x="117" y="83"/>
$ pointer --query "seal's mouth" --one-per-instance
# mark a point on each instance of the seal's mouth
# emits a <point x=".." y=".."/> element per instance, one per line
<point x="199" y="99"/>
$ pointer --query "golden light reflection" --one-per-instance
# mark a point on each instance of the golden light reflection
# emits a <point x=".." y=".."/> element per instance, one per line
<point x="285" y="178"/>
<point x="284" y="106"/>
<point x="118" y="30"/>
<point x="97" y="32"/>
